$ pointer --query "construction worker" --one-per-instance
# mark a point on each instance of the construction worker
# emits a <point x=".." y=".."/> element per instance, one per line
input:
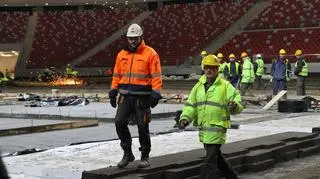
<point x="137" y="77"/>
<point x="46" y="75"/>
<point x="71" y="72"/>
<point x="222" y="64"/>
<point x="204" y="54"/>
<point x="258" y="67"/>
<point x="247" y="73"/>
<point x="4" y="78"/>
<point x="209" y="105"/>
<point x="233" y="70"/>
<point x="301" y="70"/>
<point x="280" y="72"/>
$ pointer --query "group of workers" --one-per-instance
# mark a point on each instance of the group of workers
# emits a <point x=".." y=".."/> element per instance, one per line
<point x="136" y="87"/>
<point x="247" y="72"/>
<point x="137" y="83"/>
<point x="50" y="73"/>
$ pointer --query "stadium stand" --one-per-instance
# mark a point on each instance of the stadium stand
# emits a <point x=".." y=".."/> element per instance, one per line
<point x="180" y="31"/>
<point x="288" y="14"/>
<point x="269" y="42"/>
<point x="62" y="36"/>
<point x="288" y="24"/>
<point x="13" y="26"/>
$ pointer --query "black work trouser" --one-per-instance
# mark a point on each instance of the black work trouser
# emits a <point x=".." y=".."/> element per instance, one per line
<point x="258" y="82"/>
<point x="234" y="81"/>
<point x="301" y="86"/>
<point x="215" y="160"/>
<point x="138" y="106"/>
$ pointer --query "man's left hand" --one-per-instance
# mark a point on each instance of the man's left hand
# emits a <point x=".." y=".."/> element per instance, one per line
<point x="232" y="106"/>
<point x="155" y="97"/>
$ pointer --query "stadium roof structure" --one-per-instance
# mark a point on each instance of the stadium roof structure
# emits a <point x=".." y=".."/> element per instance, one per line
<point x="4" y="3"/>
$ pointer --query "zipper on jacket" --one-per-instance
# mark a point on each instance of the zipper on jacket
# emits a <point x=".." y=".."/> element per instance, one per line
<point x="131" y="67"/>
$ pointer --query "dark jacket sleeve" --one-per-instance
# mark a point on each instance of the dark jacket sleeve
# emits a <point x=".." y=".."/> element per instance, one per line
<point x="288" y="68"/>
<point x="298" y="69"/>
<point x="272" y="68"/>
<point x="240" y="70"/>
<point x="255" y="67"/>
<point x="226" y="72"/>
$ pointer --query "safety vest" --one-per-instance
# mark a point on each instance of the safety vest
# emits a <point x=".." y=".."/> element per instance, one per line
<point x="247" y="72"/>
<point x="237" y="67"/>
<point x="221" y="67"/>
<point x="304" y="71"/>
<point x="137" y="73"/>
<point x="208" y="110"/>
<point x="260" y="69"/>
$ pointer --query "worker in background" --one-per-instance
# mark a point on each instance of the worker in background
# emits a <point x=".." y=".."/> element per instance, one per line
<point x="301" y="70"/>
<point x="247" y="79"/>
<point x="4" y="78"/>
<point x="137" y="77"/>
<point x="204" y="109"/>
<point x="233" y="70"/>
<point x="70" y="72"/>
<point x="222" y="63"/>
<point x="203" y="54"/>
<point x="258" y="67"/>
<point x="280" y="72"/>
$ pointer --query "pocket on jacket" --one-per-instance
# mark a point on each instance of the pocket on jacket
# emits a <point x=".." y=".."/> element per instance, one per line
<point x="142" y="65"/>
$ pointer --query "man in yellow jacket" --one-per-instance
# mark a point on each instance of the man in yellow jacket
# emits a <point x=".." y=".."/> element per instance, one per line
<point x="247" y="73"/>
<point x="209" y="105"/>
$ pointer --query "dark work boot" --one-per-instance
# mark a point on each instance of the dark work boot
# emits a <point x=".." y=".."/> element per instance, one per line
<point x="126" y="159"/>
<point x="144" y="162"/>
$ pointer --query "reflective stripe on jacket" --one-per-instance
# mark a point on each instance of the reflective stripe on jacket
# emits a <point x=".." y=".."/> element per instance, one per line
<point x="137" y="73"/>
<point x="208" y="110"/>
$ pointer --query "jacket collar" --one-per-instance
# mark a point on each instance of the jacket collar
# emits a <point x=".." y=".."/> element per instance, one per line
<point x="138" y="49"/>
<point x="141" y="46"/>
<point x="203" y="79"/>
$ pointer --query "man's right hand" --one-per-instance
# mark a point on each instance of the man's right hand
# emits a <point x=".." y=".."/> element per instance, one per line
<point x="113" y="102"/>
<point x="183" y="123"/>
<point x="113" y="97"/>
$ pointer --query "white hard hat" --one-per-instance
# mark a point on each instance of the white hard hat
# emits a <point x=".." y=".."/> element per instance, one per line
<point x="258" y="56"/>
<point x="134" y="30"/>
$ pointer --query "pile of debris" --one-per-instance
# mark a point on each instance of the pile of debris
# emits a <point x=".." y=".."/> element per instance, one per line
<point x="33" y="100"/>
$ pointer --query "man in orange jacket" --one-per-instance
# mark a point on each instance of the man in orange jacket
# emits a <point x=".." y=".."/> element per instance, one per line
<point x="137" y="77"/>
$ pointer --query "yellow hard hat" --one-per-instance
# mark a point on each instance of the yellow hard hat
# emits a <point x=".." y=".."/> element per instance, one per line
<point x="298" y="53"/>
<point x="210" y="60"/>
<point x="244" y="54"/>
<point x="204" y="53"/>
<point x="282" y="52"/>
<point x="232" y="55"/>
<point x="220" y="55"/>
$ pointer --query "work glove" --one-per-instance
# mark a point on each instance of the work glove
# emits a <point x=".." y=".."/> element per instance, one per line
<point x="183" y="123"/>
<point x="113" y="97"/>
<point x="154" y="99"/>
<point x="232" y="106"/>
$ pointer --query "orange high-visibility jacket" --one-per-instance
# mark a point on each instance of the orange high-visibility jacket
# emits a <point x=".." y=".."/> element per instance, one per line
<point x="137" y="73"/>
